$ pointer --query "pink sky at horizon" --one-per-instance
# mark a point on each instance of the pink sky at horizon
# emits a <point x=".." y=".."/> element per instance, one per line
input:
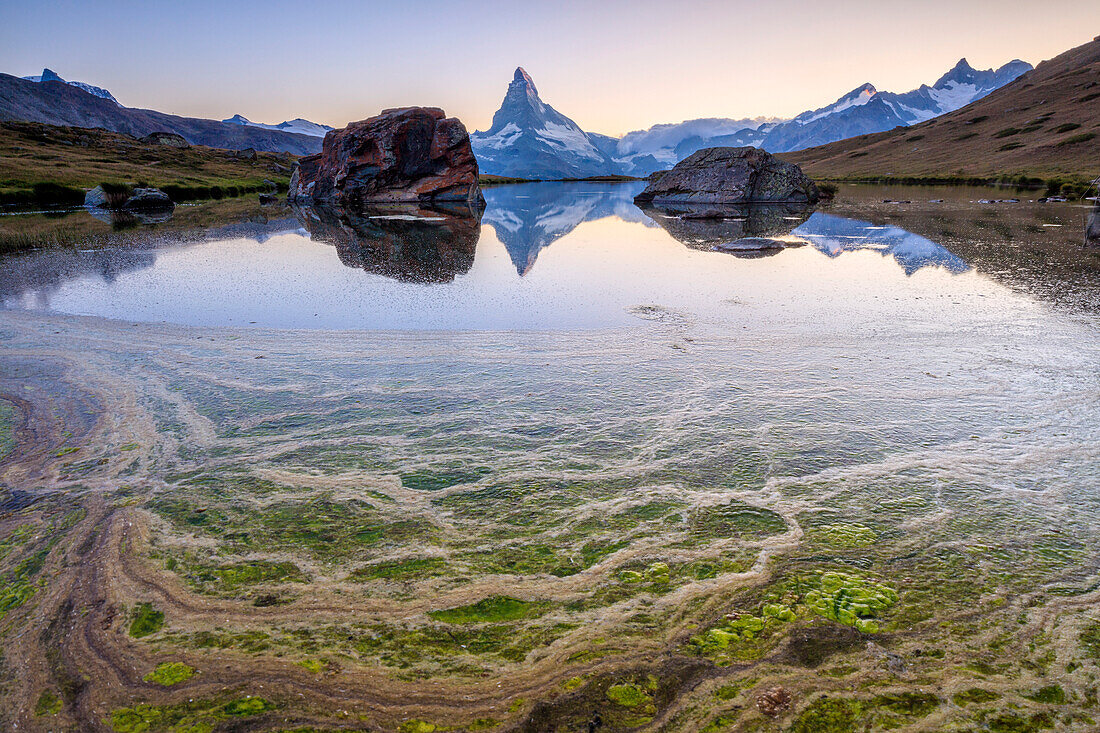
<point x="613" y="66"/>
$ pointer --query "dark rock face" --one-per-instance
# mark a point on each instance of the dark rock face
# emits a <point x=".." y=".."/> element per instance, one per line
<point x="170" y="139"/>
<point x="409" y="155"/>
<point x="1092" y="229"/>
<point x="743" y="231"/>
<point x="425" y="244"/>
<point x="731" y="176"/>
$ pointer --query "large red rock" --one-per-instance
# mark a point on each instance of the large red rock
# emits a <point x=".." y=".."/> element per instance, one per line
<point x="408" y="155"/>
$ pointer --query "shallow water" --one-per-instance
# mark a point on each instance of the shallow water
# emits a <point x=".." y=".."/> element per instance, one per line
<point x="655" y="479"/>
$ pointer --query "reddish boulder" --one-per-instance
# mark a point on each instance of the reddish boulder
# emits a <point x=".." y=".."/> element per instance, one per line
<point x="408" y="155"/>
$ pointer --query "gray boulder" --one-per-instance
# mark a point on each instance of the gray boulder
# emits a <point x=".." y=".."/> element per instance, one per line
<point x="170" y="139"/>
<point x="731" y="176"/>
<point x="137" y="199"/>
<point x="144" y="199"/>
<point x="1092" y="229"/>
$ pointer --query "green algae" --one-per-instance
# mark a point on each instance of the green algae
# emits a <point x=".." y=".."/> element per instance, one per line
<point x="226" y="578"/>
<point x="974" y="695"/>
<point x="1051" y="695"/>
<point x="416" y="725"/>
<point x="145" y="620"/>
<point x="1016" y="723"/>
<point x="48" y="703"/>
<point x="409" y="569"/>
<point x="845" y="535"/>
<point x="8" y="418"/>
<point x="829" y="715"/>
<point x="735" y="520"/>
<point x="849" y="599"/>
<point x="489" y="610"/>
<point x="439" y="480"/>
<point x="1090" y="640"/>
<point x="19" y="585"/>
<point x="193" y="716"/>
<point x="170" y="673"/>
<point x="628" y="695"/>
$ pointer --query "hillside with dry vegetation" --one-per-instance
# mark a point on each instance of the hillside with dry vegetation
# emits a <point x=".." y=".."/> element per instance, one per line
<point x="1044" y="125"/>
<point x="49" y="164"/>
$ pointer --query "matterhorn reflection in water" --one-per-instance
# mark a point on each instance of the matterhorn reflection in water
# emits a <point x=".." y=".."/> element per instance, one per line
<point x="555" y="256"/>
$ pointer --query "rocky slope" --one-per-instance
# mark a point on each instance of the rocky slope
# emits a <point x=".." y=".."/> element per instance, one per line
<point x="1045" y="123"/>
<point x="58" y="103"/>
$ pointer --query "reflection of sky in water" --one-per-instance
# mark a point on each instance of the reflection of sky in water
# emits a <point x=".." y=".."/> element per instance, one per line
<point x="549" y="257"/>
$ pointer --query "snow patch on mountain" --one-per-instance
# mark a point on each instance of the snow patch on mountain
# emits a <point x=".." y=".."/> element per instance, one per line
<point x="48" y="75"/>
<point x="297" y="125"/>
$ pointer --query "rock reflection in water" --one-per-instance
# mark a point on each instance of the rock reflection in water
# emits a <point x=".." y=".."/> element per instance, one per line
<point x="759" y="230"/>
<point x="405" y="242"/>
<point x="120" y="220"/>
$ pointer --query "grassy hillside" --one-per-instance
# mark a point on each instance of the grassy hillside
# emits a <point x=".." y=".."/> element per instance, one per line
<point x="1044" y="125"/>
<point x="48" y="164"/>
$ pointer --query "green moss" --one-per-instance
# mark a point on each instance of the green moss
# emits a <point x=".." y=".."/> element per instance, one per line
<point x="849" y="599"/>
<point x="1051" y="695"/>
<point x="230" y="577"/>
<point x="48" y="704"/>
<point x="909" y="704"/>
<point x="846" y="535"/>
<point x="974" y="695"/>
<point x="736" y="519"/>
<point x="410" y="569"/>
<point x="193" y="716"/>
<point x="416" y="726"/>
<point x="1090" y="640"/>
<point x="8" y="416"/>
<point x="247" y="706"/>
<point x="492" y="609"/>
<point x="313" y="665"/>
<point x="572" y="683"/>
<point x="829" y="715"/>
<point x="1015" y="723"/>
<point x="439" y="480"/>
<point x="628" y="695"/>
<point x="170" y="673"/>
<point x="145" y="620"/>
<point x="19" y="585"/>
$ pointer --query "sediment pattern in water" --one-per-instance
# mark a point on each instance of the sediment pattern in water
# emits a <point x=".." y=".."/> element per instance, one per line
<point x="662" y="527"/>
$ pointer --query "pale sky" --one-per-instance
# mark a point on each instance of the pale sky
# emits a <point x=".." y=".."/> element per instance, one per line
<point x="611" y="65"/>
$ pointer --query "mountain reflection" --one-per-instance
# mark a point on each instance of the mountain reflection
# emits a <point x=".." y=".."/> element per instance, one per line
<point x="528" y="217"/>
<point x="405" y="242"/>
<point x="835" y="235"/>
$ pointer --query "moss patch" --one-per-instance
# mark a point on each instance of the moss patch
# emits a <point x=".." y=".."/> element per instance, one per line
<point x="170" y="673"/>
<point x="48" y="703"/>
<point x="488" y="610"/>
<point x="145" y="620"/>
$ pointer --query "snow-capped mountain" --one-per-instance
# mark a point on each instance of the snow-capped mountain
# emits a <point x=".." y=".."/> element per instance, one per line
<point x="531" y="139"/>
<point x="297" y="125"/>
<point x="48" y="75"/>
<point x="866" y="110"/>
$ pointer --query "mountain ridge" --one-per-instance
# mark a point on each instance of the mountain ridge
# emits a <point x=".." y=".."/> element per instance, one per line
<point x="1045" y="123"/>
<point x="59" y="103"/>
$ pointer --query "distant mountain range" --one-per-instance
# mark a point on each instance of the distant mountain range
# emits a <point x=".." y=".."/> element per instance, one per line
<point x="528" y="138"/>
<point x="51" y="100"/>
<point x="297" y="125"/>
<point x="531" y="139"/>
<point x="1044" y="124"/>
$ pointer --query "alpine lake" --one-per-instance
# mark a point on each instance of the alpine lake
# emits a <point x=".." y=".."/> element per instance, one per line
<point x="566" y="466"/>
